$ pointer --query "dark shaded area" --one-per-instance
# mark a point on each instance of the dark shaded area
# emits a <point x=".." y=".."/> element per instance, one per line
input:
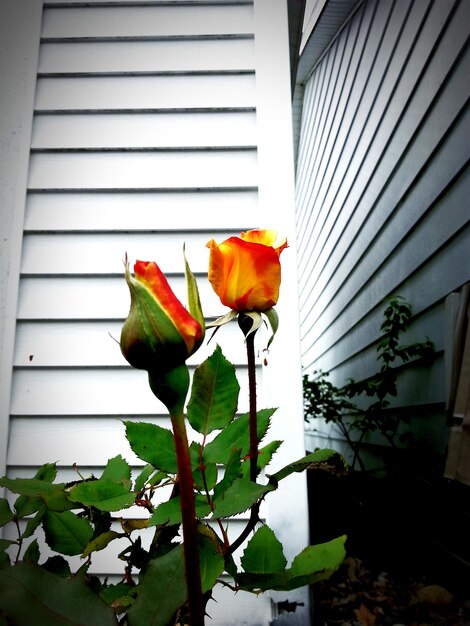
<point x="408" y="548"/>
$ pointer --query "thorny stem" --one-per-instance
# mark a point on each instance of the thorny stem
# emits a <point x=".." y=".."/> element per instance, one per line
<point x="189" y="521"/>
<point x="254" y="515"/>
<point x="250" y="350"/>
<point x="208" y="496"/>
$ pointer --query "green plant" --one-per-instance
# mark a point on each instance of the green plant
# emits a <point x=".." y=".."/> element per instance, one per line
<point x="167" y="580"/>
<point x="339" y="405"/>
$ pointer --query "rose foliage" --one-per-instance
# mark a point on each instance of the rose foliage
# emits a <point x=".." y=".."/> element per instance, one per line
<point x="141" y="514"/>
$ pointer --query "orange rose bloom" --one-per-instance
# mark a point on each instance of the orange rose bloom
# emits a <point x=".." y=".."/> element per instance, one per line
<point x="245" y="271"/>
<point x="159" y="333"/>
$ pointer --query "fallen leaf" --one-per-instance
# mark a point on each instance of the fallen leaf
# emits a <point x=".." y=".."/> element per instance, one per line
<point x="364" y="616"/>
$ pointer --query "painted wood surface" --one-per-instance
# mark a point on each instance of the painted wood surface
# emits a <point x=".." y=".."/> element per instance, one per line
<point x="382" y="189"/>
<point x="153" y="126"/>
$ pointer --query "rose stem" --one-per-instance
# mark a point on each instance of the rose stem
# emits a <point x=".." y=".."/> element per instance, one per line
<point x="188" y="514"/>
<point x="254" y="515"/>
<point x="250" y="349"/>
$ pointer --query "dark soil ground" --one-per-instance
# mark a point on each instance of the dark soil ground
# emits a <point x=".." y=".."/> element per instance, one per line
<point x="408" y="551"/>
<point x="359" y="595"/>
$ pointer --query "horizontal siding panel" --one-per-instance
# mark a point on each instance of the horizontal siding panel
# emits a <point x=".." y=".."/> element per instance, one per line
<point x="77" y="298"/>
<point x="79" y="344"/>
<point x="428" y="324"/>
<point x="147" y="56"/>
<point x="107" y="562"/>
<point x="145" y="92"/>
<point x="416" y="184"/>
<point x="148" y="170"/>
<point x="89" y="442"/>
<point x="104" y="253"/>
<point x="101" y="3"/>
<point x="398" y="249"/>
<point x="92" y="391"/>
<point x="147" y="21"/>
<point x="443" y="273"/>
<point x="326" y="177"/>
<point x="144" y="131"/>
<point x="365" y="142"/>
<point x="140" y="211"/>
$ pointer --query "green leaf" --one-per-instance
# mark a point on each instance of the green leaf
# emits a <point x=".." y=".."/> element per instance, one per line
<point x="313" y="564"/>
<point x="143" y="477"/>
<point x="47" y="472"/>
<point x="239" y="497"/>
<point x="153" y="444"/>
<point x="57" y="565"/>
<point x="31" y="487"/>
<point x="117" y="470"/>
<point x="25" y="505"/>
<point x="118" y="596"/>
<point x="237" y="436"/>
<point x="101" y="542"/>
<point x="32" y="553"/>
<point x="209" y="471"/>
<point x="232" y="472"/>
<point x="162" y="591"/>
<point x="211" y="558"/>
<point x="317" y="562"/>
<point x="214" y="394"/>
<point x="6" y="543"/>
<point x="102" y="494"/>
<point x="264" y="553"/>
<point x="6" y="514"/>
<point x="264" y="457"/>
<point x="66" y="533"/>
<point x="311" y="461"/>
<point x="36" y="493"/>
<point x="31" y="595"/>
<point x="170" y="512"/>
<point x="34" y="522"/>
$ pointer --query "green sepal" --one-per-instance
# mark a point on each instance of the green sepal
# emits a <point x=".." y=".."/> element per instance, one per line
<point x="194" y="301"/>
<point x="249" y="322"/>
<point x="273" y="319"/>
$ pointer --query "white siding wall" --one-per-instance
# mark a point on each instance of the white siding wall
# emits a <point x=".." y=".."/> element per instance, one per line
<point x="382" y="190"/>
<point x="153" y="125"/>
